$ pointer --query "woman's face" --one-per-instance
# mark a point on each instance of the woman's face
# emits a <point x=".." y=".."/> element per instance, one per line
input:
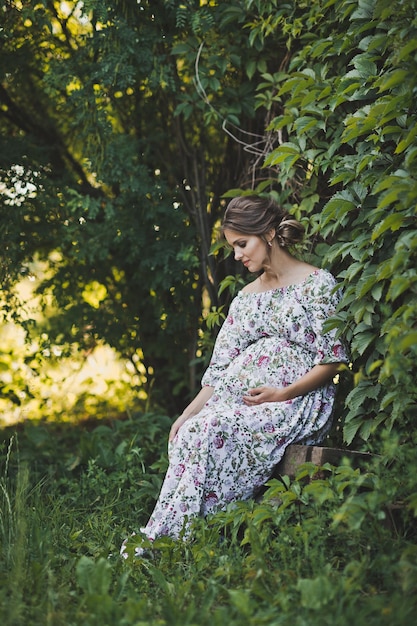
<point x="251" y="250"/>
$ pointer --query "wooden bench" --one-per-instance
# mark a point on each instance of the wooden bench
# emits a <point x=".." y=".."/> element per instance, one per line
<point x="295" y="455"/>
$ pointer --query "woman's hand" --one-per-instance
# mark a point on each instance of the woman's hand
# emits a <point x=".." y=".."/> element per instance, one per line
<point x="177" y="425"/>
<point x="318" y="376"/>
<point x="259" y="395"/>
<point x="192" y="409"/>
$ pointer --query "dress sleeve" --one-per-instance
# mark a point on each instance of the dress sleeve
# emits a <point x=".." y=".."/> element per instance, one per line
<point x="229" y="344"/>
<point x="323" y="301"/>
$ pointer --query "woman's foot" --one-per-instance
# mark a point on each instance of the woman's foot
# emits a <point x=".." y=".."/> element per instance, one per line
<point x="133" y="547"/>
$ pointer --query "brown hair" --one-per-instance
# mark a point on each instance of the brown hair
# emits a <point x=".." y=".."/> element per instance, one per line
<point x="254" y="215"/>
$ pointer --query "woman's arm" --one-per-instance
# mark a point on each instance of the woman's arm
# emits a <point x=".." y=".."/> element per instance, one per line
<point x="192" y="409"/>
<point x="317" y="377"/>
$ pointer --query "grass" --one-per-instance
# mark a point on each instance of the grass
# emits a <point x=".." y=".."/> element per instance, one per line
<point x="311" y="552"/>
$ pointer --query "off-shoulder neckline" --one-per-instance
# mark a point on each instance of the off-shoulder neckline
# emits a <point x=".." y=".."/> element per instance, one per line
<point x="316" y="272"/>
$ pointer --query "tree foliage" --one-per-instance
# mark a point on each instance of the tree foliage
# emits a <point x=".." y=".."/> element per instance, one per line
<point x="346" y="109"/>
<point x="112" y="174"/>
<point x="126" y="124"/>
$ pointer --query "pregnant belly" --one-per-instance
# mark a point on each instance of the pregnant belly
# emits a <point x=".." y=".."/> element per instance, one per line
<point x="268" y="364"/>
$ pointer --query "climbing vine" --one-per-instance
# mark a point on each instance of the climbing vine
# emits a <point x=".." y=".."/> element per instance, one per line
<point x="346" y="109"/>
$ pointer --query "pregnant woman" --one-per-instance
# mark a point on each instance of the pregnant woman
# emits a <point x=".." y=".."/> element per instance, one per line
<point x="270" y="379"/>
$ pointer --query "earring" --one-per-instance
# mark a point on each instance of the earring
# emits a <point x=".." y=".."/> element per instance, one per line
<point x="270" y="244"/>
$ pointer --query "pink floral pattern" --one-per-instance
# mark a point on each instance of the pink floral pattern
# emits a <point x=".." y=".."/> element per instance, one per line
<point x="227" y="451"/>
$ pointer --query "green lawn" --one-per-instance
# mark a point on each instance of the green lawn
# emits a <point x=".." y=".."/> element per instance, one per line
<point x="329" y="551"/>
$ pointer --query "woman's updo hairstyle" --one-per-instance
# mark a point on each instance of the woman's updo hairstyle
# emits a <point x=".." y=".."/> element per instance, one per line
<point x="253" y="215"/>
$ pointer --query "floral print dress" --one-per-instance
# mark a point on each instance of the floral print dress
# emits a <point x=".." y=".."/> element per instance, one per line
<point x="228" y="450"/>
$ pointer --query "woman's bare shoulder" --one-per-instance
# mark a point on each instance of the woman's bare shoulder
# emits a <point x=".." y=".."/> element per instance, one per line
<point x="254" y="286"/>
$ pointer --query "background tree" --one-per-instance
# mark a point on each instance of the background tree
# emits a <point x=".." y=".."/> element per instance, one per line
<point x="118" y="169"/>
<point x="132" y="121"/>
